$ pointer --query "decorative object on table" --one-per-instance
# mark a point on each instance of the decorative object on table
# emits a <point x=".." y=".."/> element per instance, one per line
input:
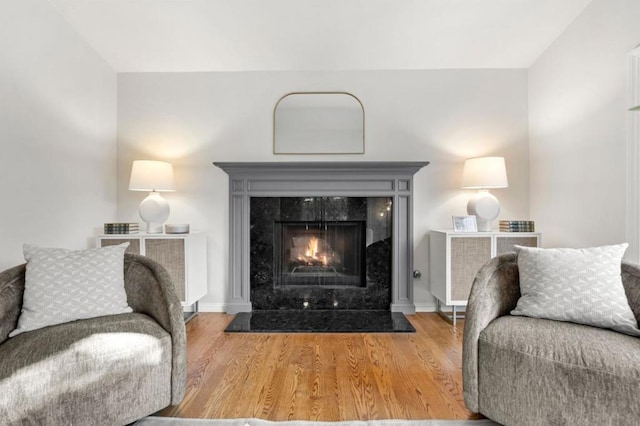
<point x="318" y="123"/>
<point x="484" y="173"/>
<point x="182" y="228"/>
<point x="156" y="177"/>
<point x="465" y="224"/>
<point x="517" y="226"/>
<point x="121" y="228"/>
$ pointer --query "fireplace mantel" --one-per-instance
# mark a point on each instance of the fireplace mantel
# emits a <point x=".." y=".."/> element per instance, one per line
<point x="294" y="179"/>
<point x="351" y="167"/>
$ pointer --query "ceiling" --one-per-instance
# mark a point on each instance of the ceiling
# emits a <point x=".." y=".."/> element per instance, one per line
<point x="247" y="35"/>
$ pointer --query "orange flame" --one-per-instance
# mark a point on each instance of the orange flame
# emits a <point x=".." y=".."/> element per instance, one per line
<point x="313" y="254"/>
<point x="312" y="248"/>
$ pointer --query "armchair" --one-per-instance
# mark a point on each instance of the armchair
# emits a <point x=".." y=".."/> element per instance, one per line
<point x="529" y="371"/>
<point x="109" y="370"/>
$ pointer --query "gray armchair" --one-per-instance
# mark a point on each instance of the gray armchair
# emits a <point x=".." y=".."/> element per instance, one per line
<point x="109" y="370"/>
<point x="528" y="371"/>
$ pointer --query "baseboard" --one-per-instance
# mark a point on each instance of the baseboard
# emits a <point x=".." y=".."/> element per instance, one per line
<point x="425" y="307"/>
<point x="212" y="307"/>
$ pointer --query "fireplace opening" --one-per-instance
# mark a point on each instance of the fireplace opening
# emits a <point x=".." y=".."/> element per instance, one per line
<point x="320" y="253"/>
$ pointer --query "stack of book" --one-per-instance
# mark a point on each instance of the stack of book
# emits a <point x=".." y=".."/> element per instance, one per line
<point x="517" y="226"/>
<point x="121" y="228"/>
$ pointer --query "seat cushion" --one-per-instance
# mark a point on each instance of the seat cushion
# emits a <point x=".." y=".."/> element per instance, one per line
<point x="537" y="371"/>
<point x="106" y="370"/>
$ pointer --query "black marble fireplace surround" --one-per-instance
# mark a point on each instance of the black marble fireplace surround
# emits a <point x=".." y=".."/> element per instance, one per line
<point x="323" y="237"/>
<point x="352" y="268"/>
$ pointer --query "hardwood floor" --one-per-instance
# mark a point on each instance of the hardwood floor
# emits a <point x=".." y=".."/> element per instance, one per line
<point x="323" y="377"/>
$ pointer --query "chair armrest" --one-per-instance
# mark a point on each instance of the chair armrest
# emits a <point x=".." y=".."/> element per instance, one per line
<point x="11" y="292"/>
<point x="631" y="281"/>
<point x="494" y="293"/>
<point x="150" y="291"/>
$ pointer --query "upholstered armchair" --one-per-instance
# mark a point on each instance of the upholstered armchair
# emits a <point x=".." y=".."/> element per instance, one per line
<point x="526" y="371"/>
<point x="109" y="370"/>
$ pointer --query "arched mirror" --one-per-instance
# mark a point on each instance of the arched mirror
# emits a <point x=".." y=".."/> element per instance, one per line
<point x="318" y="123"/>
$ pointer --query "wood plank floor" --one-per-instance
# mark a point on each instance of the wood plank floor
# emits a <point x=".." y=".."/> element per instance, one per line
<point x="323" y="377"/>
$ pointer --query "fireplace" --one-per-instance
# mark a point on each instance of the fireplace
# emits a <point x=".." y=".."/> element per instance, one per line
<point x="320" y="252"/>
<point x="320" y="235"/>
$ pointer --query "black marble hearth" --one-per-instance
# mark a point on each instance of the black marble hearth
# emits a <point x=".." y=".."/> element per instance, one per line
<point x="320" y="321"/>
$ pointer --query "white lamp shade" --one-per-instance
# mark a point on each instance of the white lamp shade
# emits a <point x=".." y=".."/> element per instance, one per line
<point x="484" y="173"/>
<point x="151" y="176"/>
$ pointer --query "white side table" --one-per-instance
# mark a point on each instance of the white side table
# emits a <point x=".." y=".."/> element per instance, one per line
<point x="184" y="256"/>
<point x="456" y="258"/>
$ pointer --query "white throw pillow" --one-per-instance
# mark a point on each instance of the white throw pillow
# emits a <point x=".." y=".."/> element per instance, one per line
<point x="576" y="285"/>
<point x="66" y="285"/>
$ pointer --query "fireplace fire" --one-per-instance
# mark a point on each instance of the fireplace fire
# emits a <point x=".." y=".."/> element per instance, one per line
<point x="320" y="254"/>
<point x="311" y="251"/>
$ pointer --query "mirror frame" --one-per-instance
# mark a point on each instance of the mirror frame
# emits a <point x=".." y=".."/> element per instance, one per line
<point x="309" y="152"/>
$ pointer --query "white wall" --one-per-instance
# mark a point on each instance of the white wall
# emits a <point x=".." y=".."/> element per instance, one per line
<point x="57" y="131"/>
<point x="578" y="125"/>
<point x="442" y="116"/>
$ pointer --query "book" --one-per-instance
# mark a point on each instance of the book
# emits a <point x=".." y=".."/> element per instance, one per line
<point x="121" y="228"/>
<point x="517" y="229"/>
<point x="517" y="226"/>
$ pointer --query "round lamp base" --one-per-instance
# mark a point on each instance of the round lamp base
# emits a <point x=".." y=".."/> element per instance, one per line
<point x="154" y="211"/>
<point x="485" y="207"/>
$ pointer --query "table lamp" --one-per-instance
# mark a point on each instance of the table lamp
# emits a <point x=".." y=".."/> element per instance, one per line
<point x="152" y="176"/>
<point x="484" y="173"/>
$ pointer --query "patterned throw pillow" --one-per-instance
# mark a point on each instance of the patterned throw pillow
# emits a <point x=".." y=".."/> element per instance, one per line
<point x="66" y="285"/>
<point x="576" y="285"/>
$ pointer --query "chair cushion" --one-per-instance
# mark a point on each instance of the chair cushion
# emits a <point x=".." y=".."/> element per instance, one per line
<point x="563" y="373"/>
<point x="117" y="366"/>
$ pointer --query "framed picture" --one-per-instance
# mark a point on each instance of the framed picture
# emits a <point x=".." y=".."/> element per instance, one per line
<point x="465" y="224"/>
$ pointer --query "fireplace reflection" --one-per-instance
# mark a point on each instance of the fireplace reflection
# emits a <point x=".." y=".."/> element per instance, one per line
<point x="320" y="253"/>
